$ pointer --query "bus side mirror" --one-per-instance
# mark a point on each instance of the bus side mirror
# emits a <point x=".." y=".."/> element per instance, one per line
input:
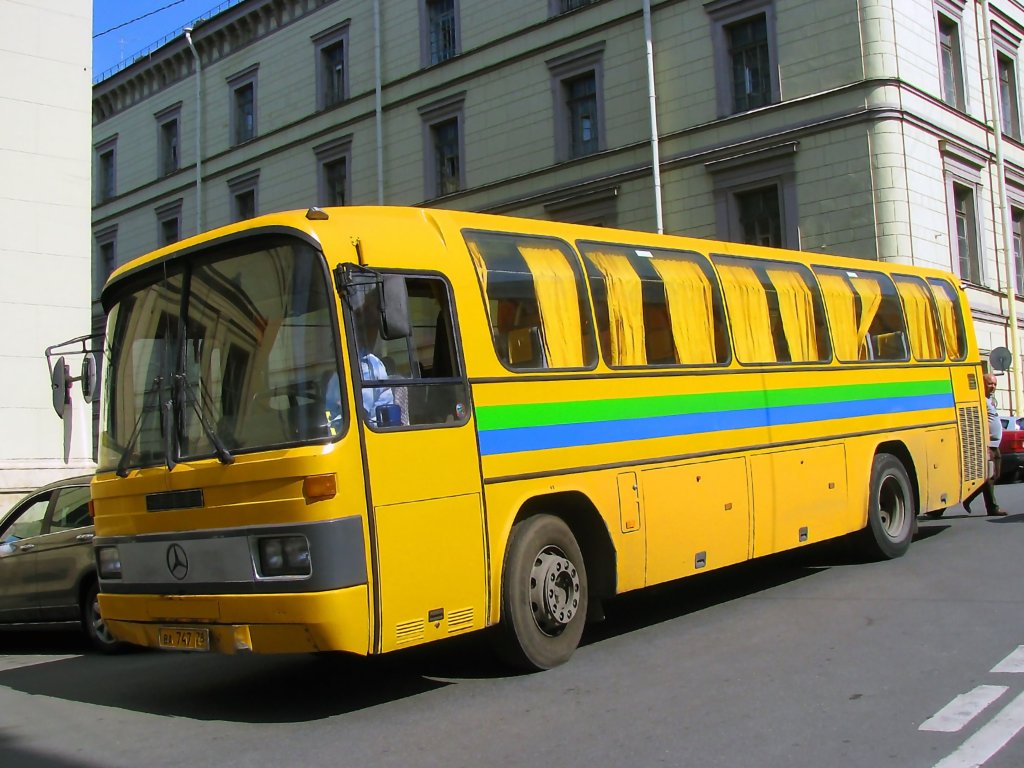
<point x="88" y="378"/>
<point x="60" y="384"/>
<point x="1000" y="359"/>
<point x="394" y="308"/>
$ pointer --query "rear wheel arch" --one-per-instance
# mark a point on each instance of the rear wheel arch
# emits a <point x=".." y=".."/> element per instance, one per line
<point x="899" y="450"/>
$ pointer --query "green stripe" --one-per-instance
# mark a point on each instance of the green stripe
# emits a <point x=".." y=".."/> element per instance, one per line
<point x="492" y="417"/>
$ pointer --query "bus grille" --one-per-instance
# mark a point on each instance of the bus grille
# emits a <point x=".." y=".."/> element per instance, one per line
<point x="409" y="631"/>
<point x="971" y="443"/>
<point x="460" y="620"/>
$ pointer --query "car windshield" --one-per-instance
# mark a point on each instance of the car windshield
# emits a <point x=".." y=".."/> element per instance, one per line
<point x="228" y="350"/>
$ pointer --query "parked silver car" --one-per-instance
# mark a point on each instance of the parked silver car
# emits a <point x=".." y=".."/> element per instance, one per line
<point x="47" y="568"/>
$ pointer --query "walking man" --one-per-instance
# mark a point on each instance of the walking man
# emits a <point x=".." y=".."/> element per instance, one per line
<point x="995" y="434"/>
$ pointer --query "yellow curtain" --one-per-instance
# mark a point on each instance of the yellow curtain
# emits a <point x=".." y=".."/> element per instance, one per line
<point x="948" y="318"/>
<point x="625" y="307"/>
<point x="841" y="306"/>
<point x="796" y="307"/>
<point x="558" y="303"/>
<point x="748" y="314"/>
<point x="690" y="310"/>
<point x="870" y="293"/>
<point x="481" y="270"/>
<point x="924" y="334"/>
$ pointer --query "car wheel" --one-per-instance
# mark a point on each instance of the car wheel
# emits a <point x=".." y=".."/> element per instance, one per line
<point x="92" y="622"/>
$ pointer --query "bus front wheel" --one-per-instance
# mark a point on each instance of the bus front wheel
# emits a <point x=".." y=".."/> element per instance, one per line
<point x="891" y="509"/>
<point x="543" y="595"/>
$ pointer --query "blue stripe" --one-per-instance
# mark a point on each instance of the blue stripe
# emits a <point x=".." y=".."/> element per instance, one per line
<point x="521" y="439"/>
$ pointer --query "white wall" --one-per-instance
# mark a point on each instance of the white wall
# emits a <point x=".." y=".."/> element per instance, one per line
<point x="45" y="251"/>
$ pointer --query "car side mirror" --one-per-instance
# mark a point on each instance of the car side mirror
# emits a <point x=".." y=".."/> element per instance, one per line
<point x="60" y="384"/>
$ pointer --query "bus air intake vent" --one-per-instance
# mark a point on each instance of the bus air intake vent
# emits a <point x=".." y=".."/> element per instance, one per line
<point x="460" y="620"/>
<point x="971" y="442"/>
<point x="409" y="631"/>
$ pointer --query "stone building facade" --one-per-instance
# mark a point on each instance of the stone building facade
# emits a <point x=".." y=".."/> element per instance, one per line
<point x="856" y="127"/>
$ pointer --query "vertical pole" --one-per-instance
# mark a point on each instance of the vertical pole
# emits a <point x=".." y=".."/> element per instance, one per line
<point x="655" y="151"/>
<point x="199" y="133"/>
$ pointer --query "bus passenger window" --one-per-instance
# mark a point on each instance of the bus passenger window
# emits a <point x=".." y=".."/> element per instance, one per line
<point x="654" y="307"/>
<point x="951" y="318"/>
<point x="775" y="311"/>
<point x="922" y="320"/>
<point x="535" y="299"/>
<point x="416" y="380"/>
<point x="865" y="315"/>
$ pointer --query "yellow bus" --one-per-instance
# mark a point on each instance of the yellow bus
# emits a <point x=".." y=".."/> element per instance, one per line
<point x="362" y="429"/>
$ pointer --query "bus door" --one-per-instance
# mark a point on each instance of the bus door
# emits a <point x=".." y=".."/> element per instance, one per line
<point x="422" y="460"/>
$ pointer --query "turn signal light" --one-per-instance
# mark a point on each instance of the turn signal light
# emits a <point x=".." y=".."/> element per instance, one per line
<point x="319" y="487"/>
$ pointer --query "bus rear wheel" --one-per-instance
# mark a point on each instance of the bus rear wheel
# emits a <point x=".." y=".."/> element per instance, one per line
<point x="543" y="595"/>
<point x="891" y="509"/>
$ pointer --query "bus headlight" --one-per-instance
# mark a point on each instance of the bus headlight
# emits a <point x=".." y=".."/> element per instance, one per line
<point x="108" y="562"/>
<point x="283" y="556"/>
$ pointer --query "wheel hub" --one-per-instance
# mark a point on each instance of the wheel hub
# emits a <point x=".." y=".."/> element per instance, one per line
<point x="554" y="590"/>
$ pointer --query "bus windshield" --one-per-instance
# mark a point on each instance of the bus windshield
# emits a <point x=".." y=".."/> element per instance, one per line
<point x="229" y="350"/>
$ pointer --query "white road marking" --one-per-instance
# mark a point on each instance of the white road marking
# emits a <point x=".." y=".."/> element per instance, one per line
<point x="16" y="662"/>
<point x="961" y="710"/>
<point x="989" y="739"/>
<point x="1012" y="663"/>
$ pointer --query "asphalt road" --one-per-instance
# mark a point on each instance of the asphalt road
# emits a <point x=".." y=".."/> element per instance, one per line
<point x="805" y="659"/>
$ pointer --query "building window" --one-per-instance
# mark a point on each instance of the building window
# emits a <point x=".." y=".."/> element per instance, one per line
<point x="333" y="162"/>
<point x="965" y="230"/>
<point x="1017" y="234"/>
<point x="558" y="7"/>
<point x="439" y="20"/>
<point x="760" y="222"/>
<point x="106" y="259"/>
<point x="168" y="140"/>
<point x="746" y="60"/>
<point x="106" y="170"/>
<point x="332" y="66"/>
<point x="244" y="203"/>
<point x="443" y="150"/>
<point x="1008" y="104"/>
<point x="755" y="197"/>
<point x="577" y="84"/>
<point x="243" y="106"/>
<point x="168" y="219"/>
<point x="951" y="62"/>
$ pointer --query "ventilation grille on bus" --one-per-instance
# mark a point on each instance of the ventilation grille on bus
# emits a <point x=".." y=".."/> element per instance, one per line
<point x="972" y="443"/>
<point x="460" y="620"/>
<point x="409" y="631"/>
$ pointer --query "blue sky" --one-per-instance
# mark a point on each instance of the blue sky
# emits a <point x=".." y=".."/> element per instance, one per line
<point x="145" y="22"/>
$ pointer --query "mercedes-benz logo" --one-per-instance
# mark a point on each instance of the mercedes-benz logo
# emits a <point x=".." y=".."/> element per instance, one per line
<point x="177" y="561"/>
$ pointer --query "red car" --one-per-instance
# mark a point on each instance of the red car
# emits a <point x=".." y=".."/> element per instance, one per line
<point x="1012" y="449"/>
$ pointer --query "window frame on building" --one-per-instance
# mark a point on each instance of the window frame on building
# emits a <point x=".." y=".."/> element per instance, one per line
<point x="561" y="7"/>
<point x="168" y="140"/>
<point x="329" y="154"/>
<point x="431" y="54"/>
<point x="742" y="174"/>
<point x="168" y="218"/>
<point x="241" y="129"/>
<point x="727" y="15"/>
<point x="331" y="90"/>
<point x="105" y="261"/>
<point x="962" y="170"/>
<point x="105" y="153"/>
<point x="563" y="71"/>
<point x="1006" y="52"/>
<point x="443" y="113"/>
<point x="948" y="24"/>
<point x="241" y="189"/>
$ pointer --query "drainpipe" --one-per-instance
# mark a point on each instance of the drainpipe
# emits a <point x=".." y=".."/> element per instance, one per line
<point x="199" y="133"/>
<point x="1004" y="209"/>
<point x="378" y="117"/>
<point x="655" y="152"/>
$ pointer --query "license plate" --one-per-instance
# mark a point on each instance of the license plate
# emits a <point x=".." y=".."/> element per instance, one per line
<point x="184" y="638"/>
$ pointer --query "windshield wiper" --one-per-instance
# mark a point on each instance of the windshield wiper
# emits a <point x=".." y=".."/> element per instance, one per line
<point x="122" y="464"/>
<point x="222" y="453"/>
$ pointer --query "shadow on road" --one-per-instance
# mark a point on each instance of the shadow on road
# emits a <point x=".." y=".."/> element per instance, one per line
<point x="283" y="689"/>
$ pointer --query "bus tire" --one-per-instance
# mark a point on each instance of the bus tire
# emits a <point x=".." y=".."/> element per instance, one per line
<point x="543" y="595"/>
<point x="891" y="509"/>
